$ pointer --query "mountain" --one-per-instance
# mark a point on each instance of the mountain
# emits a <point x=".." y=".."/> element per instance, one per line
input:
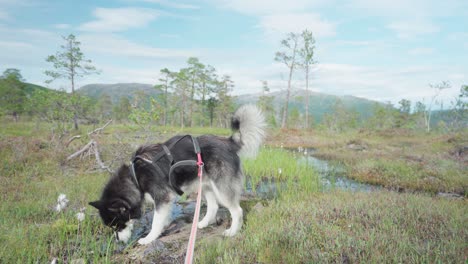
<point x="319" y="103"/>
<point x="118" y="90"/>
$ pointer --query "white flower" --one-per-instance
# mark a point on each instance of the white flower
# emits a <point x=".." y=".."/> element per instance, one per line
<point x="305" y="152"/>
<point x="280" y="171"/>
<point x="80" y="216"/>
<point x="62" y="202"/>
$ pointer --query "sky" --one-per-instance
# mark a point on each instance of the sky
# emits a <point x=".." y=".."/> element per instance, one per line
<point x="383" y="50"/>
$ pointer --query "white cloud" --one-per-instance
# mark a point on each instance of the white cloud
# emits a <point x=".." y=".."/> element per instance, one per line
<point x="280" y="24"/>
<point x="172" y="4"/>
<point x="411" y="29"/>
<point x="118" y="46"/>
<point x="268" y="7"/>
<point x="119" y="19"/>
<point x="421" y="51"/>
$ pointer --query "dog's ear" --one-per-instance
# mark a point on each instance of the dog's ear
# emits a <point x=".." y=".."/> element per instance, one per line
<point x="96" y="204"/>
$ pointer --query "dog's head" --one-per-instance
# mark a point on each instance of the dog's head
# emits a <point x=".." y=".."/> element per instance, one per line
<point x="119" y="203"/>
<point x="117" y="213"/>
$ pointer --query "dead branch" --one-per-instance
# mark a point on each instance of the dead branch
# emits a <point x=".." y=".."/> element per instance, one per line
<point x="81" y="151"/>
<point x="97" y="130"/>
<point x="71" y="139"/>
<point x="98" y="158"/>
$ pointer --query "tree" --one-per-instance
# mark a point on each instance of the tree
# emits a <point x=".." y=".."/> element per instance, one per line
<point x="225" y="100"/>
<point x="165" y="80"/>
<point x="403" y="117"/>
<point x="105" y="106"/>
<point x="265" y="103"/>
<point x="438" y="88"/>
<point x="459" y="110"/>
<point x="288" y="57"/>
<point x="123" y="109"/>
<point x="70" y="63"/>
<point x="12" y="93"/>
<point x="195" y="71"/>
<point x="58" y="107"/>
<point x="181" y="83"/>
<point x="306" y="54"/>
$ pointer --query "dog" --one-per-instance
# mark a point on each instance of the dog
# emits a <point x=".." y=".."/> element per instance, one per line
<point x="148" y="180"/>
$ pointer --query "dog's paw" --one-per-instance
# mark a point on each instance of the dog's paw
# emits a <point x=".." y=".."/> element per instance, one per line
<point x="202" y="224"/>
<point x="229" y="232"/>
<point x="145" y="240"/>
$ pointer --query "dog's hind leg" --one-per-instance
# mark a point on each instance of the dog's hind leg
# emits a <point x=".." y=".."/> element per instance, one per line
<point x="236" y="215"/>
<point x="212" y="209"/>
<point x="230" y="198"/>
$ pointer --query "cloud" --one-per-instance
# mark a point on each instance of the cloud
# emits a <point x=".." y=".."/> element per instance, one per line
<point x="420" y="51"/>
<point x="119" y="19"/>
<point x="121" y="47"/>
<point x="411" y="29"/>
<point x="268" y="7"/>
<point x="172" y="4"/>
<point x="280" y="24"/>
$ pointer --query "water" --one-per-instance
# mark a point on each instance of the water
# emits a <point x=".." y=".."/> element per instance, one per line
<point x="334" y="176"/>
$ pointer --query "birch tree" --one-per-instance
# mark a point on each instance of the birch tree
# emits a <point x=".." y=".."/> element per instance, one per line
<point x="306" y="54"/>
<point x="288" y="56"/>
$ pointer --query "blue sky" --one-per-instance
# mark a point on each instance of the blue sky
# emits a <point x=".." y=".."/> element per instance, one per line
<point x="382" y="50"/>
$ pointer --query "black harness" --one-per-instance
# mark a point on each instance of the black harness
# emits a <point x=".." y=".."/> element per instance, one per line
<point x="166" y="152"/>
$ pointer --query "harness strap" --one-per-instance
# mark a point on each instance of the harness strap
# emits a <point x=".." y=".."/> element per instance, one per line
<point x="167" y="153"/>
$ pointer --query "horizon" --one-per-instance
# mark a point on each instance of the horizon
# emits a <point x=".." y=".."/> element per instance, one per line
<point x="383" y="51"/>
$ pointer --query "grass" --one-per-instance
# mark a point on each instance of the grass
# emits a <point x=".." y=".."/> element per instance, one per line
<point x="302" y="224"/>
<point x="397" y="160"/>
<point x="379" y="227"/>
<point x="33" y="173"/>
<point x="280" y="167"/>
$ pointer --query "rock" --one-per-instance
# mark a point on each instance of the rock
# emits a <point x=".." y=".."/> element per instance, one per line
<point x="449" y="195"/>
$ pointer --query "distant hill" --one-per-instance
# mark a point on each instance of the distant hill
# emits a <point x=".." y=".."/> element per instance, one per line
<point x="30" y="88"/>
<point x="319" y="103"/>
<point x="118" y="90"/>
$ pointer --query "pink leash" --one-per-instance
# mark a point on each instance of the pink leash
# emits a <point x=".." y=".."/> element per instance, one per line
<point x="193" y="232"/>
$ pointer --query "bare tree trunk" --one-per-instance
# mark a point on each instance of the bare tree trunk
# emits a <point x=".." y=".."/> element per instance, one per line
<point x="286" y="105"/>
<point x="307" y="99"/>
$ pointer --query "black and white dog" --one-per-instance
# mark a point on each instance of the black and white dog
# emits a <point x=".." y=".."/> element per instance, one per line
<point x="148" y="179"/>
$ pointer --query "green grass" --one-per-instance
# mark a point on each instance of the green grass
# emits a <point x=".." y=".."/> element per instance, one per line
<point x="281" y="167"/>
<point x="335" y="227"/>
<point x="411" y="161"/>
<point x="302" y="224"/>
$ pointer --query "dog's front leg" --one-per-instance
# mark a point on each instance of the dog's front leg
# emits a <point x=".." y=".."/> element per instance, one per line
<point x="160" y="219"/>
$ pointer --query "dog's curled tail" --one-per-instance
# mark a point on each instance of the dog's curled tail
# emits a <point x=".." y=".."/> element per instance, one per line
<point x="248" y="126"/>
